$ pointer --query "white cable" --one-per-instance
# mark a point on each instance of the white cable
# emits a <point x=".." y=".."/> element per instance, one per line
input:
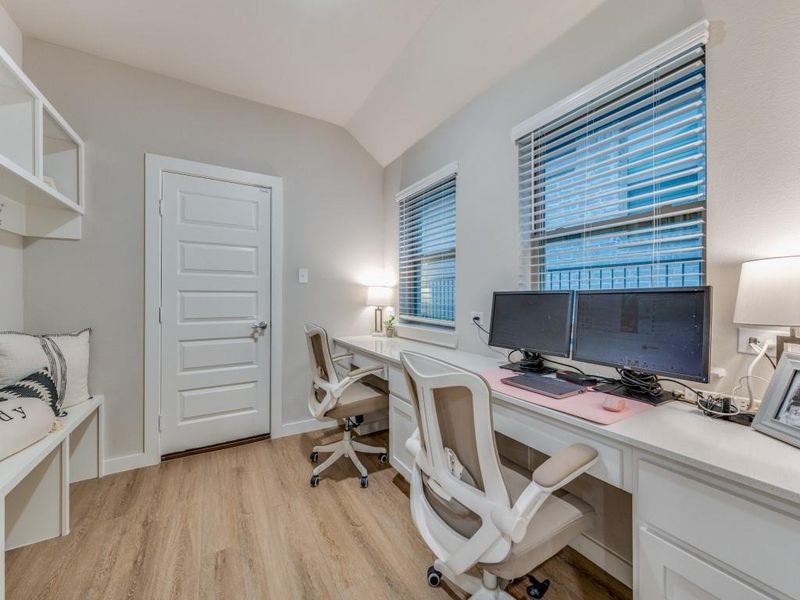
<point x="761" y="354"/>
<point x="741" y="382"/>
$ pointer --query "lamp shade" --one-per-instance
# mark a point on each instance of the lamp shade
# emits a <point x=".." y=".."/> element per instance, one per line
<point x="379" y="296"/>
<point x="769" y="292"/>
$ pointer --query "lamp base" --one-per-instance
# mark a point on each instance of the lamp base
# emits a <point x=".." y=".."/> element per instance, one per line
<point x="378" y="328"/>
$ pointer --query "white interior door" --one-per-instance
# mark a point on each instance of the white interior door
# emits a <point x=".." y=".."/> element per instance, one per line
<point x="215" y="274"/>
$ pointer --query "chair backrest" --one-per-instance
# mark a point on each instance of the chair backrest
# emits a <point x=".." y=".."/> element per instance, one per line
<point x="323" y="375"/>
<point x="458" y="453"/>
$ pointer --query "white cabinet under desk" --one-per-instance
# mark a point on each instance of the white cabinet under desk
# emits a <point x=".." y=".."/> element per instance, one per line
<point x="716" y="505"/>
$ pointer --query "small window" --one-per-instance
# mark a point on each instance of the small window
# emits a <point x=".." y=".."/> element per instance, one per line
<point x="613" y="193"/>
<point x="428" y="250"/>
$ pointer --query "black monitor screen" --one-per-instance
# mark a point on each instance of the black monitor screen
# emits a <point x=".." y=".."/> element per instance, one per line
<point x="665" y="331"/>
<point x="535" y="321"/>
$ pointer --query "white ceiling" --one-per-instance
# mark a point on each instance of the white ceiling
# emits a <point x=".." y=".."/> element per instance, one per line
<point x="388" y="70"/>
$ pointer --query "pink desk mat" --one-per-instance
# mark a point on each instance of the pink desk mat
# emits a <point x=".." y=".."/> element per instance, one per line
<point x="588" y="405"/>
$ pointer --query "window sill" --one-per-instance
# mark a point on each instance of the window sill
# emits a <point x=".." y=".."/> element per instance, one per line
<point x="425" y="333"/>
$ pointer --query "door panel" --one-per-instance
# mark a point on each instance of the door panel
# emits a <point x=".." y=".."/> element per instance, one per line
<point x="215" y="354"/>
<point x="215" y="288"/>
<point x="218" y="259"/>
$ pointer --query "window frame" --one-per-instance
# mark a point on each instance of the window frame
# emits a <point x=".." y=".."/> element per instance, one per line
<point x="685" y="41"/>
<point x="415" y="190"/>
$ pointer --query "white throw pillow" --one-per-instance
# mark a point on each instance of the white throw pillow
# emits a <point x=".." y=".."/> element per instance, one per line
<point x="65" y="355"/>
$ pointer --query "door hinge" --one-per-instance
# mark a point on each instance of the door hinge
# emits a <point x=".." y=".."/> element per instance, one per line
<point x="160" y="207"/>
<point x="263" y="188"/>
<point x="160" y="423"/>
<point x="159" y="315"/>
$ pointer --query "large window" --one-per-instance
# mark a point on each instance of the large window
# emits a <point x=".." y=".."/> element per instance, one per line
<point x="428" y="250"/>
<point x="612" y="192"/>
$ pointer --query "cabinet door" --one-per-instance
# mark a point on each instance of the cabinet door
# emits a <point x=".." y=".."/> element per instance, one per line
<point x="402" y="424"/>
<point x="668" y="572"/>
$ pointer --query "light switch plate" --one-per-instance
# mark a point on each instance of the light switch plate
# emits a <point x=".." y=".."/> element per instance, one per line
<point x="302" y="275"/>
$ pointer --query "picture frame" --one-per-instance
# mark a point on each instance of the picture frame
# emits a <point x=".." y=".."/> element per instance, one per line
<point x="779" y="414"/>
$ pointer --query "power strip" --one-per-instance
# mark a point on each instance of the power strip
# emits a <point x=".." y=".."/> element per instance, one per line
<point x="741" y="401"/>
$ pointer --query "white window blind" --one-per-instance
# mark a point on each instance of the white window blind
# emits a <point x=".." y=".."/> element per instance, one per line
<point x="612" y="193"/>
<point x="428" y="253"/>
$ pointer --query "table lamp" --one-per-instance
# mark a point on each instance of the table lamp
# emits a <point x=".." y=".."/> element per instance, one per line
<point x="769" y="296"/>
<point x="379" y="297"/>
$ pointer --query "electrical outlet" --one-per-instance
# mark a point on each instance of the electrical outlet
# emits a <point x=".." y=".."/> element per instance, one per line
<point x="479" y="316"/>
<point x="746" y="334"/>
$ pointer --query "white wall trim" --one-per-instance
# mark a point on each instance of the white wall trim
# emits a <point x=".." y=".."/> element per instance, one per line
<point x="691" y="36"/>
<point x="604" y="558"/>
<point x="128" y="462"/>
<point x="155" y="165"/>
<point x="437" y="176"/>
<point x="305" y="426"/>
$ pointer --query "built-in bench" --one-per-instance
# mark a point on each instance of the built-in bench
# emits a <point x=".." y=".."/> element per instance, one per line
<point x="34" y="483"/>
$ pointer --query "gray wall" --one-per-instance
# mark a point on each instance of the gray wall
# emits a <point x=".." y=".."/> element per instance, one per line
<point x="753" y="153"/>
<point x="10" y="244"/>
<point x="333" y="217"/>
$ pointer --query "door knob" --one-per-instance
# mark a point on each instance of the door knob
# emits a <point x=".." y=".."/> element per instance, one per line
<point x="259" y="328"/>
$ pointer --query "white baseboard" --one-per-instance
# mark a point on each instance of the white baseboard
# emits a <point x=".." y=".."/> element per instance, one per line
<point x="304" y="426"/>
<point x="610" y="562"/>
<point x="118" y="464"/>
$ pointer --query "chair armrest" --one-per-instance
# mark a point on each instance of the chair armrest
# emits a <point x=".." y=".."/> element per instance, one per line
<point x="354" y="376"/>
<point x="339" y="357"/>
<point x="554" y="473"/>
<point x="558" y="470"/>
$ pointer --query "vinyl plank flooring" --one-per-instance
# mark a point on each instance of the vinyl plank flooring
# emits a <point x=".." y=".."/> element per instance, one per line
<point x="242" y="523"/>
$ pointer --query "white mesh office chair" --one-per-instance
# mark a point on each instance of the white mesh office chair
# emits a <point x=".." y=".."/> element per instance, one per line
<point x="333" y="398"/>
<point x="469" y="508"/>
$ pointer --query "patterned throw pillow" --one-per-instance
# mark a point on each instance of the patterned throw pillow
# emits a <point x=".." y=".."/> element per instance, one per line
<point x="37" y="386"/>
<point x="66" y="356"/>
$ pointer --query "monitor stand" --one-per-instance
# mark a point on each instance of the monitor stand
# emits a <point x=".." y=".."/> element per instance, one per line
<point x="532" y="362"/>
<point x="617" y="389"/>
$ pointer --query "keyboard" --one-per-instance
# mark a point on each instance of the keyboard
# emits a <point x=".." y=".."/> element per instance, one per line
<point x="547" y="386"/>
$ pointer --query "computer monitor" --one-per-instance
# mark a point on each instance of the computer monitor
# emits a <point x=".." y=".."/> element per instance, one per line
<point x="659" y="331"/>
<point x="535" y="323"/>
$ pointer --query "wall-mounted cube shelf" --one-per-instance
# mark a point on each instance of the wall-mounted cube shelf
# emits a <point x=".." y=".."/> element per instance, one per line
<point x="41" y="162"/>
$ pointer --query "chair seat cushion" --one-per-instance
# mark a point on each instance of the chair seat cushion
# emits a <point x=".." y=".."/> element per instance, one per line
<point x="559" y="520"/>
<point x="358" y="399"/>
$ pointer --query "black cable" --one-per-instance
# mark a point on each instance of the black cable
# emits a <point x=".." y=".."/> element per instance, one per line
<point x="772" y="362"/>
<point x="688" y="387"/>
<point x="478" y="325"/>
<point x="645" y="384"/>
<point x="573" y="367"/>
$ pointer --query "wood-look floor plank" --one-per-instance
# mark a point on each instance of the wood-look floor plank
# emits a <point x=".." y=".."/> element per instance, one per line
<point x="242" y="523"/>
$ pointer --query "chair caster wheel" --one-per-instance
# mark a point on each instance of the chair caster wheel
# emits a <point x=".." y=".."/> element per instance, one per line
<point x="313" y="457"/>
<point x="434" y="577"/>
<point x="384" y="458"/>
<point x="364" y="481"/>
<point x="537" y="589"/>
<point x="314" y="480"/>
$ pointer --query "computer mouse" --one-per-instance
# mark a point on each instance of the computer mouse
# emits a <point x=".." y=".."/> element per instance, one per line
<point x="614" y="404"/>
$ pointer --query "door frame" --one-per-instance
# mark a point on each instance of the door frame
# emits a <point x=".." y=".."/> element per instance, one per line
<point x="155" y="166"/>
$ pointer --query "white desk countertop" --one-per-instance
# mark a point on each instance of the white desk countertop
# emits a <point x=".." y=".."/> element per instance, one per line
<point x="674" y="430"/>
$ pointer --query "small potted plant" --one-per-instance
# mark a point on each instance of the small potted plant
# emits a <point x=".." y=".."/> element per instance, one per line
<point x="388" y="325"/>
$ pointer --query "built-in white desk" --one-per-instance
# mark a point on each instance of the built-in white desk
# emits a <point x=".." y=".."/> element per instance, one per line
<point x="716" y="505"/>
